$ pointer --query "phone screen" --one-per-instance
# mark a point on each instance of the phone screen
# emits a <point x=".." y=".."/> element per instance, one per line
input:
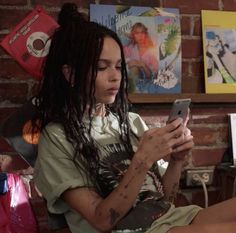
<point x="179" y="109"/>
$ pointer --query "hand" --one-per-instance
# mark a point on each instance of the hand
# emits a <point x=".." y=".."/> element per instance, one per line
<point x="182" y="150"/>
<point x="158" y="143"/>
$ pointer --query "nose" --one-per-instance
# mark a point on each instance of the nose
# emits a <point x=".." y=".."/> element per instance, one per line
<point x="115" y="74"/>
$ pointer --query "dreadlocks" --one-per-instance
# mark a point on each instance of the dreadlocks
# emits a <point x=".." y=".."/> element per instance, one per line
<point x="78" y="44"/>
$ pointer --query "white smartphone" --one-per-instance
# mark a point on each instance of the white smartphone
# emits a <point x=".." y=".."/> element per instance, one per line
<point x="179" y="109"/>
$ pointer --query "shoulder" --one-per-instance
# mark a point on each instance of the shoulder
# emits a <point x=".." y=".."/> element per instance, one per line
<point x="53" y="130"/>
<point x="137" y="124"/>
<point x="133" y="116"/>
<point x="53" y="136"/>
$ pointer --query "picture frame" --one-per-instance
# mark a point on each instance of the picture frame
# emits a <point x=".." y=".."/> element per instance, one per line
<point x="219" y="51"/>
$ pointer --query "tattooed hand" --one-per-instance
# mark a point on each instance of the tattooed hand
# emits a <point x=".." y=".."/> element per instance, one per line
<point x="181" y="151"/>
<point x="157" y="143"/>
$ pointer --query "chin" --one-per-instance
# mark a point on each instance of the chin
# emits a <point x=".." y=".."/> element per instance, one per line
<point x="108" y="101"/>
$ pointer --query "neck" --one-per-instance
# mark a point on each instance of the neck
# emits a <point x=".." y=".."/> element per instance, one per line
<point x="100" y="110"/>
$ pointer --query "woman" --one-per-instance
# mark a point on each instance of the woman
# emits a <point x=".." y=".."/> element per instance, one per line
<point x="141" y="55"/>
<point x="96" y="161"/>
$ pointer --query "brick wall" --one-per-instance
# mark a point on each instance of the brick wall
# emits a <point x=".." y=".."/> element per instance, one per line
<point x="208" y="122"/>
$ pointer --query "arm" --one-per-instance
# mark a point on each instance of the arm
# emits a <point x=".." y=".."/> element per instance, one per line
<point x="103" y="214"/>
<point x="171" y="179"/>
<point x="172" y="175"/>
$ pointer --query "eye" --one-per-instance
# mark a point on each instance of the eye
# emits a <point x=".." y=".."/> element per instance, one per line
<point x="118" y="67"/>
<point x="102" y="65"/>
<point x="102" y="68"/>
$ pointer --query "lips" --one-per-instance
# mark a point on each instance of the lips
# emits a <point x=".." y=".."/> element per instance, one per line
<point x="113" y="90"/>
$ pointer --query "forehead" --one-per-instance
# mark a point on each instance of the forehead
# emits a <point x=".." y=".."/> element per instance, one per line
<point x="110" y="50"/>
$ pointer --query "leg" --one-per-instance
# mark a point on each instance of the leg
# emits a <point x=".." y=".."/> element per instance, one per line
<point x="206" y="228"/>
<point x="218" y="218"/>
<point x="221" y="212"/>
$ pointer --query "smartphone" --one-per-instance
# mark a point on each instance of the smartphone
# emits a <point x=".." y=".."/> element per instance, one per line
<point x="179" y="109"/>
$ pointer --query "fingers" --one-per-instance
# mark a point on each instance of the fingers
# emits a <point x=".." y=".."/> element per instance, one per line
<point x="183" y="147"/>
<point x="187" y="118"/>
<point x="174" y="124"/>
<point x="157" y="143"/>
<point x="173" y="133"/>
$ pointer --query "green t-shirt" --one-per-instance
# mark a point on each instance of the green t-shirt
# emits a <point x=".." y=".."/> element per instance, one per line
<point x="56" y="172"/>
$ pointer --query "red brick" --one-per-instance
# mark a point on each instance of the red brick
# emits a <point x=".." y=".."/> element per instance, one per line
<point x="14" y="2"/>
<point x="191" y="7"/>
<point x="197" y="69"/>
<point x="154" y="116"/>
<point x="211" y="115"/>
<point x="185" y="68"/>
<point x="2" y="51"/>
<point x="221" y="118"/>
<point x="229" y="5"/>
<point x="16" y="93"/>
<point x="12" y="70"/>
<point x="185" y="25"/>
<point x="204" y="135"/>
<point x="59" y="3"/>
<point x="191" y="48"/>
<point x="207" y="157"/>
<point x="191" y="84"/>
<point x="10" y="17"/>
<point x="197" y="29"/>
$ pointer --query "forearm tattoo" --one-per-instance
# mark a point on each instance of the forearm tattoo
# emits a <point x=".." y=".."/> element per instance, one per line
<point x="173" y="192"/>
<point x="114" y="215"/>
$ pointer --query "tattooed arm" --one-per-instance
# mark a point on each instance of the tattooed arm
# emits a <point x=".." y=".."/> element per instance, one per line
<point x="101" y="213"/>
<point x="171" y="179"/>
<point x="104" y="214"/>
<point x="172" y="175"/>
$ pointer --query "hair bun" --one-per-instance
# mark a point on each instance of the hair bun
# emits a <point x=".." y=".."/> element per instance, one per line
<point x="68" y="14"/>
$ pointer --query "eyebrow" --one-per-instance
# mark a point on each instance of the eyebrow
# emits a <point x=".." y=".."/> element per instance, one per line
<point x="107" y="61"/>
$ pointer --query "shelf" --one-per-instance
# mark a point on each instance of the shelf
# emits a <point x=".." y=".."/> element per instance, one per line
<point x="195" y="97"/>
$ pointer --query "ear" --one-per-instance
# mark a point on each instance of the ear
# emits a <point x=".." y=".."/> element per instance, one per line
<point x="66" y="70"/>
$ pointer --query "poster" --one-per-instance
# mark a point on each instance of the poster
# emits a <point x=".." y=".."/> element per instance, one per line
<point x="152" y="44"/>
<point x="219" y="51"/>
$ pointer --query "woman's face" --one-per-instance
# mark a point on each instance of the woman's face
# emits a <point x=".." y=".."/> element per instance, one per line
<point x="108" y="78"/>
<point x="139" y="35"/>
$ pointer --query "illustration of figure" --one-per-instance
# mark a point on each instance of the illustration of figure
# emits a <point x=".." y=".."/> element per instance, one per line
<point x="141" y="55"/>
<point x="220" y="60"/>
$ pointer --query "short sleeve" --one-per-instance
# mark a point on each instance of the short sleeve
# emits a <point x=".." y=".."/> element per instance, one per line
<point x="55" y="170"/>
<point x="138" y="126"/>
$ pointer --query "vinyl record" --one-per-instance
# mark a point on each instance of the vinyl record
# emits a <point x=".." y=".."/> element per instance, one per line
<point x="17" y="131"/>
<point x="38" y="44"/>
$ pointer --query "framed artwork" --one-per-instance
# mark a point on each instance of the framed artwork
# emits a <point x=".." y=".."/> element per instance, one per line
<point x="219" y="51"/>
<point x="152" y="44"/>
